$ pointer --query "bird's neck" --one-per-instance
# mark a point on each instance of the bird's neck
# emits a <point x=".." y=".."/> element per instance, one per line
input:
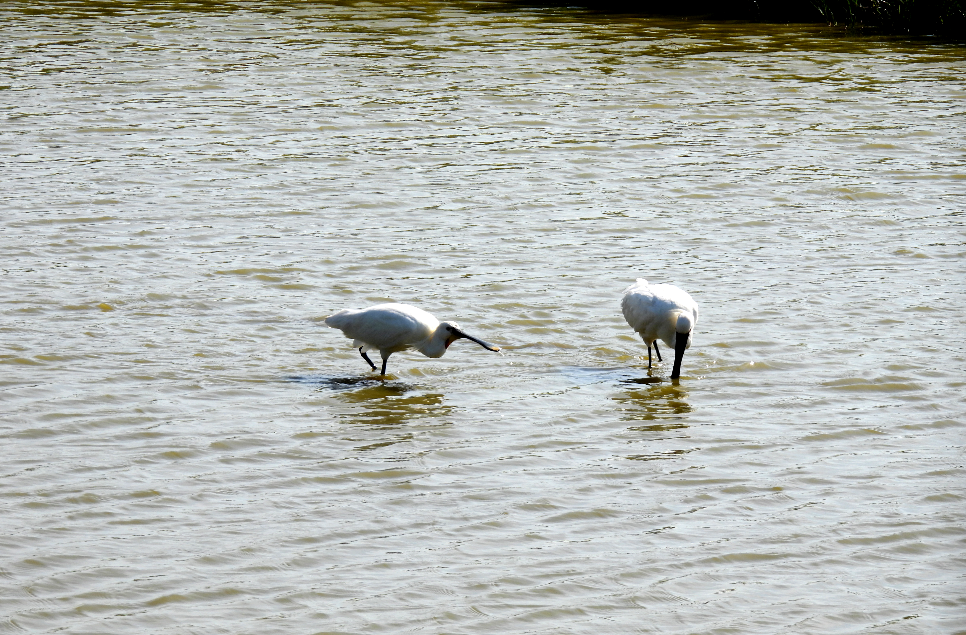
<point x="436" y="345"/>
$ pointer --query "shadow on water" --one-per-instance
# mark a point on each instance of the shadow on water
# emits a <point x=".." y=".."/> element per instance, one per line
<point x="323" y="382"/>
<point x="584" y="375"/>
<point x="642" y="380"/>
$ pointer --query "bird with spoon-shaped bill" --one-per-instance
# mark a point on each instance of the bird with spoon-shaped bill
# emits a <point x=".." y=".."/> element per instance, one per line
<point x="390" y="328"/>
<point x="661" y="312"/>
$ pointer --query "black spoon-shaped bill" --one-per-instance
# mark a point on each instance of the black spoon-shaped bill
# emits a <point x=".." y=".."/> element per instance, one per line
<point x="459" y="333"/>
<point x="680" y="345"/>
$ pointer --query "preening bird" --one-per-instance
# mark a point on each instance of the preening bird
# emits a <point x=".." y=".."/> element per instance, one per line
<point x="661" y="312"/>
<point x="391" y="328"/>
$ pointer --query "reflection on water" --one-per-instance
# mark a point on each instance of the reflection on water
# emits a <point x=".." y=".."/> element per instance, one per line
<point x="378" y="401"/>
<point x="380" y="404"/>
<point x="662" y="401"/>
<point x="664" y="408"/>
<point x="390" y="405"/>
<point x="393" y="440"/>
<point x="384" y="409"/>
<point x="657" y="456"/>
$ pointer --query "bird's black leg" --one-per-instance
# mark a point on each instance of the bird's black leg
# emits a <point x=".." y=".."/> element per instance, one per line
<point x="383" y="366"/>
<point x="648" y="355"/>
<point x="366" y="357"/>
<point x="658" y="352"/>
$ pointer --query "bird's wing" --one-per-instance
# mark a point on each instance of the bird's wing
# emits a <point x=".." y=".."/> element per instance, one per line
<point x="380" y="328"/>
<point x="638" y="308"/>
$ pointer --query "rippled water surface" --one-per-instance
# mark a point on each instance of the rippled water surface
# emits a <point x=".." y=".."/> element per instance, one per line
<point x="188" y="189"/>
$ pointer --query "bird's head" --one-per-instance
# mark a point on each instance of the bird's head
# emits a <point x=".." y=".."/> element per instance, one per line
<point x="684" y="324"/>
<point x="682" y="341"/>
<point x="453" y="332"/>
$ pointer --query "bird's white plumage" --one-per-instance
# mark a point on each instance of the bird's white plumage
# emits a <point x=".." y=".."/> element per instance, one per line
<point x="386" y="327"/>
<point x="390" y="328"/>
<point x="659" y="311"/>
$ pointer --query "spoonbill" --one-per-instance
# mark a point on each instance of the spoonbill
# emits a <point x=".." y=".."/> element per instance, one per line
<point x="392" y="327"/>
<point x="661" y="312"/>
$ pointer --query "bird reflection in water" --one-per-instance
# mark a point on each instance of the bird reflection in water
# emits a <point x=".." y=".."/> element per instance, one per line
<point x="393" y="406"/>
<point x="660" y="414"/>
<point x="662" y="402"/>
<point x="377" y="407"/>
<point x="385" y="408"/>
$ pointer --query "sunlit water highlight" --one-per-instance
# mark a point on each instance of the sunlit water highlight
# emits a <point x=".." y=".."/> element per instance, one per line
<point x="189" y="189"/>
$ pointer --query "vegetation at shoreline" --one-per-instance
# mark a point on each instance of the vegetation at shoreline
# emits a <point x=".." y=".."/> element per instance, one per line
<point x="945" y="18"/>
<point x="914" y="17"/>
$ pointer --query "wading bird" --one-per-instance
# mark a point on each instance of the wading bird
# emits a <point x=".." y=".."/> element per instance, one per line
<point x="661" y="312"/>
<point x="391" y="328"/>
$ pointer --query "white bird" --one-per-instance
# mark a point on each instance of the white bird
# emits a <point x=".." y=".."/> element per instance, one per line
<point x="391" y="328"/>
<point x="661" y="312"/>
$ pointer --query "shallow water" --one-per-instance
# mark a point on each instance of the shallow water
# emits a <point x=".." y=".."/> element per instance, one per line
<point x="188" y="189"/>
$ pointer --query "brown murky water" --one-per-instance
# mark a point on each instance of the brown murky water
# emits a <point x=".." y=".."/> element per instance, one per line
<point x="188" y="188"/>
